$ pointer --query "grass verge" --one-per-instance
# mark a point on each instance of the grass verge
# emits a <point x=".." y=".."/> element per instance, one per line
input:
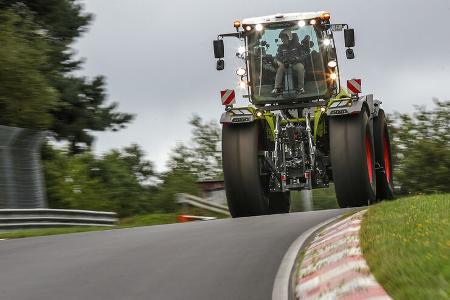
<point x="148" y="220"/>
<point x="142" y="220"/>
<point x="22" y="233"/>
<point x="407" y="246"/>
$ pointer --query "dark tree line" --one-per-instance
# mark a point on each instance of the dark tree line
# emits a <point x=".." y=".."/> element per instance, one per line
<point x="422" y="149"/>
<point x="38" y="86"/>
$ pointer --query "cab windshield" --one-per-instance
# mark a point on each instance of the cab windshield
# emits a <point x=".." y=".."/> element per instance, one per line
<point x="286" y="63"/>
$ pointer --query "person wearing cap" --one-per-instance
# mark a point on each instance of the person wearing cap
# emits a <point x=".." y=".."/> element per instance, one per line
<point x="290" y="53"/>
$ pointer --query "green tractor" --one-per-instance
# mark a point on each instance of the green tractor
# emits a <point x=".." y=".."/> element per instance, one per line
<point x="302" y="129"/>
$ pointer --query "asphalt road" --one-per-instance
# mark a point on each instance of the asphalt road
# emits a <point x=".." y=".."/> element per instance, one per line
<point x="220" y="259"/>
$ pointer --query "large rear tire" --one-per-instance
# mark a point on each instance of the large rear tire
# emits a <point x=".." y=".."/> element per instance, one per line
<point x="247" y="191"/>
<point x="383" y="157"/>
<point x="353" y="160"/>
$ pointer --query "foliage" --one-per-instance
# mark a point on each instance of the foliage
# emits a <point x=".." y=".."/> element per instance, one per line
<point x="38" y="87"/>
<point x="207" y="157"/>
<point x="202" y="160"/>
<point x="407" y="245"/>
<point x="203" y="157"/>
<point x="174" y="181"/>
<point x="422" y="146"/>
<point x="26" y="95"/>
<point x="114" y="182"/>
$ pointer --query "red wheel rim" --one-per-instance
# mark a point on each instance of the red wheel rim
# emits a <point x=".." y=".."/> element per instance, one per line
<point x="386" y="156"/>
<point x="369" y="158"/>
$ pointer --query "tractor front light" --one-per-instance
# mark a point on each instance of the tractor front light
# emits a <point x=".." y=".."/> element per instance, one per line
<point x="313" y="22"/>
<point x="259" y="113"/>
<point x="248" y="28"/>
<point x="332" y="64"/>
<point x="301" y="23"/>
<point x="241" y="72"/>
<point x="327" y="42"/>
<point x="259" y="27"/>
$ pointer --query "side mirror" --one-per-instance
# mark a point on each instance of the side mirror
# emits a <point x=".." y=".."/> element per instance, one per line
<point x="349" y="35"/>
<point x="220" y="65"/>
<point x="350" y="54"/>
<point x="218" y="48"/>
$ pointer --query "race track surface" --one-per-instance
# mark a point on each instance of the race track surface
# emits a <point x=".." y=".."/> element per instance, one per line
<point x="220" y="259"/>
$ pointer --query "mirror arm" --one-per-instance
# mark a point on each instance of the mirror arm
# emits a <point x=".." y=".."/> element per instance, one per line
<point x="236" y="34"/>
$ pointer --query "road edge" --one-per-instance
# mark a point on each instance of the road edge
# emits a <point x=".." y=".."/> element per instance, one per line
<point x="282" y="283"/>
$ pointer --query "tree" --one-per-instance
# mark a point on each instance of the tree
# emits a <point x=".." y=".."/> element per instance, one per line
<point x="202" y="158"/>
<point x="422" y="147"/>
<point x="207" y="156"/>
<point x="115" y="182"/>
<point x="42" y="35"/>
<point x="26" y="94"/>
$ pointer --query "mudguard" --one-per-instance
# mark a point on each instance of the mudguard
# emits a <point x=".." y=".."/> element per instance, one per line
<point x="348" y="105"/>
<point x="248" y="114"/>
<point x="238" y="115"/>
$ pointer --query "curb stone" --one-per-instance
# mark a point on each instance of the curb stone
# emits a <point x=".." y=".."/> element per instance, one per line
<point x="333" y="266"/>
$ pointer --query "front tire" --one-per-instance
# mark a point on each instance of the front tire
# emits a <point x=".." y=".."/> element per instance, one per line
<point x="246" y="190"/>
<point x="353" y="160"/>
<point x="383" y="156"/>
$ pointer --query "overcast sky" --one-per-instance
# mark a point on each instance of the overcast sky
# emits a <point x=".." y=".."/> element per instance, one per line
<point x="158" y="60"/>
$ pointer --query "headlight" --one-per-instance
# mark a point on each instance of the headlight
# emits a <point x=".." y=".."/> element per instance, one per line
<point x="332" y="64"/>
<point x="259" y="27"/>
<point x="241" y="72"/>
<point x="259" y="113"/>
<point x="327" y="42"/>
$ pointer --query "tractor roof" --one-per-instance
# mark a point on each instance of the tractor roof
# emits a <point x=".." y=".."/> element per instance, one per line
<point x="282" y="18"/>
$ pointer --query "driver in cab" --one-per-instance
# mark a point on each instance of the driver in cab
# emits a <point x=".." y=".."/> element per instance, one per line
<point x="290" y="53"/>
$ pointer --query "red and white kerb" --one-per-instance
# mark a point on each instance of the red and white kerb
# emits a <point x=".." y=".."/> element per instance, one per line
<point x="228" y="97"/>
<point x="354" y="86"/>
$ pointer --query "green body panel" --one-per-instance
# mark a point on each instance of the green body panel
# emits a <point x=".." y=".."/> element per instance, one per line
<point x="319" y="123"/>
<point x="319" y="116"/>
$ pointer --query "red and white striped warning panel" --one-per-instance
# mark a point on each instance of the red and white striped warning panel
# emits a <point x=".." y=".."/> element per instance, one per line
<point x="228" y="97"/>
<point x="354" y="86"/>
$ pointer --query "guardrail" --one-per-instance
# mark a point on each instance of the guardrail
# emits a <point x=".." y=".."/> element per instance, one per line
<point x="43" y="217"/>
<point x="195" y="201"/>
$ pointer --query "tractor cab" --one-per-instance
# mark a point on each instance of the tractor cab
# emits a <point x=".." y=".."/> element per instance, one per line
<point x="287" y="58"/>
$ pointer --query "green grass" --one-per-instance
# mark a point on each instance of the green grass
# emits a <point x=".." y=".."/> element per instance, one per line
<point x="407" y="246"/>
<point x="22" y="233"/>
<point x="142" y="220"/>
<point x="324" y="198"/>
<point x="148" y="220"/>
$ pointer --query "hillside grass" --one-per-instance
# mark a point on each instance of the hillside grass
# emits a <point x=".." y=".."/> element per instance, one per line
<point x="407" y="246"/>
